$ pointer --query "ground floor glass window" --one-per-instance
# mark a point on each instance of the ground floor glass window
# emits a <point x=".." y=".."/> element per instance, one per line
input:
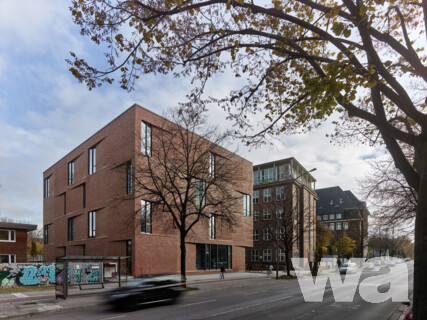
<point x="213" y="256"/>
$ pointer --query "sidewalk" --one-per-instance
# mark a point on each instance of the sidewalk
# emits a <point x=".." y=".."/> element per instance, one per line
<point x="13" y="305"/>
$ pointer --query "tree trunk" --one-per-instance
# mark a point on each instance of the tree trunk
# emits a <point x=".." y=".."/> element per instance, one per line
<point x="288" y="267"/>
<point x="183" y="256"/>
<point x="420" y="261"/>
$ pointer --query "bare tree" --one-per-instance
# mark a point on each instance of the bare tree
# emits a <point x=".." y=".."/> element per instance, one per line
<point x="291" y="221"/>
<point x="393" y="200"/>
<point x="187" y="176"/>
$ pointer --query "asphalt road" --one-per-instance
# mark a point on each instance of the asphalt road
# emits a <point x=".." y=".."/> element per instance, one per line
<point x="250" y="299"/>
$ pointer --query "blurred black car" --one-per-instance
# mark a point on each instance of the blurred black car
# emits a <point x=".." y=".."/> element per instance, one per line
<point x="146" y="290"/>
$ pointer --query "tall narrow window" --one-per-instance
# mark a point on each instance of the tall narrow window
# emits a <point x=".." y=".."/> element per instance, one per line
<point x="212" y="226"/>
<point x="70" y="173"/>
<point x="267" y="255"/>
<point x="211" y="164"/>
<point x="254" y="256"/>
<point x="280" y="193"/>
<point x="65" y="203"/>
<point x="71" y="229"/>
<point x="256" y="197"/>
<point x="246" y="205"/>
<point x="145" y="138"/>
<point x="129" y="177"/>
<point x="92" y="160"/>
<point x="46" y="233"/>
<point x="145" y="216"/>
<point x="256" y="235"/>
<point x="256" y="215"/>
<point x="200" y="192"/>
<point x="46" y="187"/>
<point x="92" y="224"/>
<point x="267" y="195"/>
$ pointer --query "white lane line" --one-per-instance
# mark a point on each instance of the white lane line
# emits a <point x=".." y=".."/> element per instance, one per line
<point x="112" y="318"/>
<point x="255" y="292"/>
<point x="20" y="295"/>
<point x="192" y="304"/>
<point x="247" y="307"/>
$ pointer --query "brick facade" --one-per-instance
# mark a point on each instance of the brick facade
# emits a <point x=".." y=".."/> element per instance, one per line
<point x="105" y="193"/>
<point x="15" y="247"/>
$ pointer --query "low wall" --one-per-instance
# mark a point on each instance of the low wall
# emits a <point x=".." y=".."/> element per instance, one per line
<point x="43" y="273"/>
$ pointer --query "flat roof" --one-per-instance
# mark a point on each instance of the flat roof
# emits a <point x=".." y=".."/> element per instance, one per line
<point x="19" y="226"/>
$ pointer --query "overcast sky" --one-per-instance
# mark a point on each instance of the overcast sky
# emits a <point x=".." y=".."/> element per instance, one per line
<point x="45" y="112"/>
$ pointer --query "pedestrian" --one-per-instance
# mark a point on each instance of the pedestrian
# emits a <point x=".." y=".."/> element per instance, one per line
<point x="222" y="271"/>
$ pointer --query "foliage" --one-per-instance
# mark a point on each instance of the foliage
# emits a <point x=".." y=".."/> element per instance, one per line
<point x="323" y="239"/>
<point x="400" y="246"/>
<point x="345" y="245"/>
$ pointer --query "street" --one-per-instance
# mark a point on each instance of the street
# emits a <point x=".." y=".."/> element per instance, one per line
<point x="259" y="298"/>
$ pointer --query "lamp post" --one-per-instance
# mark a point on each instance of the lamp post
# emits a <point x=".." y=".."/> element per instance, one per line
<point x="277" y="221"/>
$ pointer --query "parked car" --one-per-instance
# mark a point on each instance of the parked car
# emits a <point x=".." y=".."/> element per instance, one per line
<point x="390" y="263"/>
<point x="368" y="266"/>
<point x="348" y="268"/>
<point x="146" y="290"/>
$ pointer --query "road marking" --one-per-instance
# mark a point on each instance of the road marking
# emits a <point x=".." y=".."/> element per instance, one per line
<point x="247" y="307"/>
<point x="192" y="304"/>
<point x="112" y="318"/>
<point x="256" y="292"/>
<point x="303" y="315"/>
<point x="44" y="307"/>
<point x="20" y="295"/>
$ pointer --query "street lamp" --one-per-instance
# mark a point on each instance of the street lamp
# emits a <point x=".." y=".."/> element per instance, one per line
<point x="277" y="221"/>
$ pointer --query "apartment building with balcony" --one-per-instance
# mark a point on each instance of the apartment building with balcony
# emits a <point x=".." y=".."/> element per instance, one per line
<point x="344" y="214"/>
<point x="88" y="204"/>
<point x="284" y="201"/>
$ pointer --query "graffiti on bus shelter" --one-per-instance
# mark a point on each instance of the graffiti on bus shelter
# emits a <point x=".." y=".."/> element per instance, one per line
<point x="33" y="274"/>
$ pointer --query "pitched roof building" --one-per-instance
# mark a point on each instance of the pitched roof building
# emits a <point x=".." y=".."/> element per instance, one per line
<point x="343" y="213"/>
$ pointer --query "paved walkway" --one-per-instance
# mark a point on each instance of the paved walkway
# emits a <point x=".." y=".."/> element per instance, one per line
<point x="30" y="303"/>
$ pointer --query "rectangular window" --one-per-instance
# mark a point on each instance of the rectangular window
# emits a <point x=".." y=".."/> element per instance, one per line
<point x="254" y="255"/>
<point x="341" y="202"/>
<point x="246" y="205"/>
<point x="200" y="192"/>
<point x="282" y="172"/>
<point x="92" y="160"/>
<point x="338" y="225"/>
<point x="338" y="215"/>
<point x="256" y="235"/>
<point x="267" y="175"/>
<point x="70" y="173"/>
<point x="281" y="255"/>
<point x="282" y="233"/>
<point x="256" y="196"/>
<point x="212" y="226"/>
<point x="46" y="233"/>
<point x="256" y="215"/>
<point x="345" y="225"/>
<point x="211" y="164"/>
<point x="256" y="177"/>
<point x="7" y="258"/>
<point x="332" y="226"/>
<point x="92" y="224"/>
<point x="267" y="236"/>
<point x="145" y="216"/>
<point x="279" y="213"/>
<point x="46" y="187"/>
<point x="65" y="203"/>
<point x="266" y="214"/>
<point x="267" y="195"/>
<point x="331" y="216"/>
<point x="145" y="138"/>
<point x="280" y="193"/>
<point x="267" y="255"/>
<point x="129" y="177"/>
<point x="71" y="229"/>
<point x="325" y="217"/>
<point x="7" y="236"/>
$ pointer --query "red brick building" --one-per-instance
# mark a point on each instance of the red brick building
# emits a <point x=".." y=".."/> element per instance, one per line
<point x="13" y="241"/>
<point x="284" y="200"/>
<point x="84" y="216"/>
